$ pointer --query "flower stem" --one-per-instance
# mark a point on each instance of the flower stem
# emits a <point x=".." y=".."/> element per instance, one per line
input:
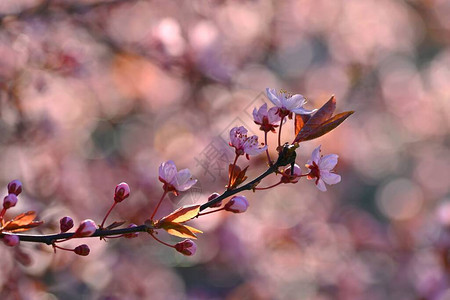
<point x="279" y="131"/>
<point x="62" y="248"/>
<point x="158" y="240"/>
<point x="268" y="187"/>
<point x="2" y="214"/>
<point x="267" y="150"/>
<point x="159" y="203"/>
<point x="210" y="212"/>
<point x="107" y="214"/>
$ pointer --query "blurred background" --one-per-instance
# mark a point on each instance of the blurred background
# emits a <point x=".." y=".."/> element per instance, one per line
<point x="96" y="92"/>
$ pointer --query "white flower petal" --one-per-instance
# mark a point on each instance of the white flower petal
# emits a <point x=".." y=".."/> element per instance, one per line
<point x="315" y="156"/>
<point x="303" y="111"/>
<point x="273" y="97"/>
<point x="273" y="116"/>
<point x="183" y="180"/>
<point x="330" y="178"/>
<point x="167" y="171"/>
<point x="321" y="185"/>
<point x="328" y="162"/>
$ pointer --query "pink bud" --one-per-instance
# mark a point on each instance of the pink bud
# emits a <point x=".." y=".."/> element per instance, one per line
<point x="11" y="240"/>
<point x="288" y="178"/>
<point x="186" y="247"/>
<point x="237" y="204"/>
<point x="82" y="250"/>
<point x="86" y="228"/>
<point x="121" y="192"/>
<point x="132" y="234"/>
<point x="15" y="187"/>
<point x="65" y="224"/>
<point x="9" y="201"/>
<point x="214" y="196"/>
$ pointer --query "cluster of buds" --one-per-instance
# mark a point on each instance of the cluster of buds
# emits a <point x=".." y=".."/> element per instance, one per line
<point x="309" y="124"/>
<point x="10" y="200"/>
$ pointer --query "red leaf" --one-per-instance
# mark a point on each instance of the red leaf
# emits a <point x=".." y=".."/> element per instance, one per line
<point x="237" y="176"/>
<point x="115" y="225"/>
<point x="321" y="122"/>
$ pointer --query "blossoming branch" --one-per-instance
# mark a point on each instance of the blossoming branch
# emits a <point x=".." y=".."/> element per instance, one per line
<point x="308" y="124"/>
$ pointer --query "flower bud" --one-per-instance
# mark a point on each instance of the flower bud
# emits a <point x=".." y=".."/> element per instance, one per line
<point x="15" y="187"/>
<point x="237" y="204"/>
<point x="132" y="234"/>
<point x="65" y="224"/>
<point x="82" y="250"/>
<point x="121" y="192"/>
<point x="86" y="228"/>
<point x="9" y="201"/>
<point x="214" y="196"/>
<point x="291" y="178"/>
<point x="11" y="240"/>
<point x="186" y="247"/>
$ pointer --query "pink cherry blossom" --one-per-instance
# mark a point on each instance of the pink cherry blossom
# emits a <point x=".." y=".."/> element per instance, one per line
<point x="175" y="181"/>
<point x="268" y="119"/>
<point x="237" y="204"/>
<point x="321" y="167"/>
<point x="288" y="104"/>
<point x="243" y="144"/>
<point x="186" y="247"/>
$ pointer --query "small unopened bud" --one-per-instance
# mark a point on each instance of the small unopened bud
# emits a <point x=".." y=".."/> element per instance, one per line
<point x="11" y="240"/>
<point x="132" y="234"/>
<point x="186" y="247"/>
<point x="121" y="192"/>
<point x="237" y="204"/>
<point x="9" y="201"/>
<point x="65" y="224"/>
<point x="82" y="250"/>
<point x="86" y="228"/>
<point x="214" y="196"/>
<point x="289" y="177"/>
<point x="15" y="187"/>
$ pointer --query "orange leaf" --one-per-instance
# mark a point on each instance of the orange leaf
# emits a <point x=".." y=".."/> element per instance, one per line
<point x="300" y="121"/>
<point x="179" y="230"/>
<point x="22" y="222"/>
<point x="237" y="176"/>
<point x="182" y="214"/>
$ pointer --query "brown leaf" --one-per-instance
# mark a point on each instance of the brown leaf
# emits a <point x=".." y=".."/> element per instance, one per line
<point x="328" y="125"/>
<point x="115" y="225"/>
<point x="22" y="222"/>
<point x="321" y="122"/>
<point x="182" y="214"/>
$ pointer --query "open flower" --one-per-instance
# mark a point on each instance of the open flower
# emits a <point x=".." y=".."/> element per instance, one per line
<point x="288" y="104"/>
<point x="175" y="181"/>
<point x="243" y="144"/>
<point x="268" y="119"/>
<point x="321" y="167"/>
